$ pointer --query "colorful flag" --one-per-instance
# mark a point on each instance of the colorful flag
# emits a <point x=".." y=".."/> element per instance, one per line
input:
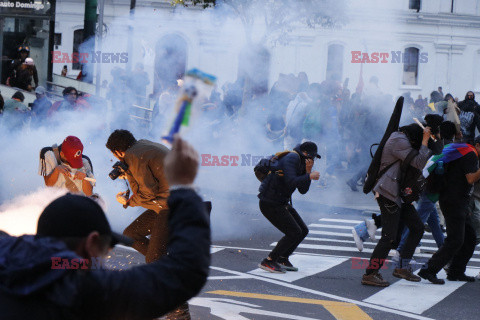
<point x="451" y="152"/>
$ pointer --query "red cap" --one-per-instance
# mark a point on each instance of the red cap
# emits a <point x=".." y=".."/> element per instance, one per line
<point x="72" y="149"/>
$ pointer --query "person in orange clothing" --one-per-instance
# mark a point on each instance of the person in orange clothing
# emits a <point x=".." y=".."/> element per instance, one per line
<point x="70" y="102"/>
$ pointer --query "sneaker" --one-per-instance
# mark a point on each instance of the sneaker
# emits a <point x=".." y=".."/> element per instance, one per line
<point x="418" y="250"/>
<point x="352" y="185"/>
<point x="374" y="279"/>
<point x="371" y="228"/>
<point x="271" y="266"/>
<point x="358" y="241"/>
<point x="460" y="277"/>
<point x="286" y="264"/>
<point x="406" y="274"/>
<point x="425" y="274"/>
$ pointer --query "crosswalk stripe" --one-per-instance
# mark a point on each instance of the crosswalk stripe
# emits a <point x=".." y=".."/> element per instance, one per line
<point x="330" y="226"/>
<point x="416" y="297"/>
<point x="340" y="220"/>
<point x="310" y="265"/>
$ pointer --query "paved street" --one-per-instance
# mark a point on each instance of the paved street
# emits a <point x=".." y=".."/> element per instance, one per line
<point x="327" y="286"/>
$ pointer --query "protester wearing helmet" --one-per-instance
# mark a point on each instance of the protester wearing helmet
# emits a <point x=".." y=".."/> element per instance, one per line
<point x="23" y="71"/>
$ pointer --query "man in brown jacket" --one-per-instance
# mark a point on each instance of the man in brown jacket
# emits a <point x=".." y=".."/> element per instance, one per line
<point x="149" y="190"/>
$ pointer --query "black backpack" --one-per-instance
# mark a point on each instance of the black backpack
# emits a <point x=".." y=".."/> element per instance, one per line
<point x="412" y="181"/>
<point x="269" y="165"/>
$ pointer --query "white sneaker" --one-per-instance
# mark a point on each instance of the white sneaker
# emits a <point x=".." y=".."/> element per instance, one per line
<point x="371" y="228"/>
<point x="392" y="253"/>
<point x="358" y="241"/>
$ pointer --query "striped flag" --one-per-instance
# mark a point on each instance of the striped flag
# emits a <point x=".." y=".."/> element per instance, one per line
<point x="451" y="152"/>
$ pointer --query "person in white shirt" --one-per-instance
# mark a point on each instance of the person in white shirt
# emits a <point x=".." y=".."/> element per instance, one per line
<point x="65" y="166"/>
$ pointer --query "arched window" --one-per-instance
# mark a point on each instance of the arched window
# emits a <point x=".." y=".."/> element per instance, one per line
<point x="335" y="62"/>
<point x="170" y="62"/>
<point x="410" y="66"/>
<point x="77" y="41"/>
<point x="254" y="69"/>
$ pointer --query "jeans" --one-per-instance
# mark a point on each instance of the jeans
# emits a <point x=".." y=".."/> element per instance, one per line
<point x="286" y="219"/>
<point x="393" y="220"/>
<point x="428" y="213"/>
<point x="460" y="242"/>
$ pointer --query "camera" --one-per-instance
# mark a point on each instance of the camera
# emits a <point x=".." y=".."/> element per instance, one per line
<point x="118" y="169"/>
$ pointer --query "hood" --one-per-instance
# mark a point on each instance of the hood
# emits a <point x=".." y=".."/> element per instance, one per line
<point x="466" y="94"/>
<point x="25" y="263"/>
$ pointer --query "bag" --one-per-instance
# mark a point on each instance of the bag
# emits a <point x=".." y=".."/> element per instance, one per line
<point x="373" y="173"/>
<point x="269" y="165"/>
<point x="412" y="181"/>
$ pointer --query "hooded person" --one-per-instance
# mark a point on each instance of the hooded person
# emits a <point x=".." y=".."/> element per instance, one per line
<point x="407" y="149"/>
<point x="469" y="117"/>
<point x="276" y="205"/>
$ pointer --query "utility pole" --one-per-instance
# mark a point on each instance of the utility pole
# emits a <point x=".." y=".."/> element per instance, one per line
<point x="133" y="4"/>
<point x="98" y="79"/>
<point x="89" y="27"/>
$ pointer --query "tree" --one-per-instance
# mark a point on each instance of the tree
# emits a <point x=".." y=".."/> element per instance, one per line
<point x="280" y="17"/>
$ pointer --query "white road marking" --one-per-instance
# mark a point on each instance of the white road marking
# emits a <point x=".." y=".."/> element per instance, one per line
<point x="341" y="220"/>
<point x="307" y="266"/>
<point x="324" y="294"/>
<point x="231" y="309"/>
<point x="215" y="249"/>
<point x="416" y="297"/>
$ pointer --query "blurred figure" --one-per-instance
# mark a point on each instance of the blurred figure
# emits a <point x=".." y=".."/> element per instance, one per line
<point x="138" y="82"/>
<point x="469" y="117"/>
<point x="64" y="71"/>
<point x="440" y="90"/>
<point x="15" y="111"/>
<point x="22" y="70"/>
<point x="70" y="102"/>
<point x="41" y="104"/>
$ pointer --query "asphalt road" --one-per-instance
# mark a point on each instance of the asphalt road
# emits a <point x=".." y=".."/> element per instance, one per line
<point x="327" y="285"/>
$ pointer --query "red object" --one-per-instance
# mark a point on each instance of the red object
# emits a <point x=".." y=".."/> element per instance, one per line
<point x="72" y="149"/>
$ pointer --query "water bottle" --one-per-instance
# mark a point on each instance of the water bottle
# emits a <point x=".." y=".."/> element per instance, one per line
<point x="440" y="169"/>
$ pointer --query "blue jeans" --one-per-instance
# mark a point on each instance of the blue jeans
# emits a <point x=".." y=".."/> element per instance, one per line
<point x="428" y="213"/>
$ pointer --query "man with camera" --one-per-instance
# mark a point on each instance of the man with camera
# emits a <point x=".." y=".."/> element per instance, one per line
<point x="141" y="163"/>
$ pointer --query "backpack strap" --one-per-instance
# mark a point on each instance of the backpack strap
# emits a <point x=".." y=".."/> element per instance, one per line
<point x="405" y="163"/>
<point x="43" y="169"/>
<point x="89" y="161"/>
<point x="56" y="152"/>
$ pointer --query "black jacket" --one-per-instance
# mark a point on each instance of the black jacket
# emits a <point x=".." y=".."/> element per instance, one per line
<point x="469" y="118"/>
<point x="279" y="189"/>
<point x="30" y="289"/>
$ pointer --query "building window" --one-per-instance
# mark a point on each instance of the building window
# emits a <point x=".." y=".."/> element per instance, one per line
<point x="335" y="62"/>
<point x="77" y="41"/>
<point x="414" y="4"/>
<point x="410" y="66"/>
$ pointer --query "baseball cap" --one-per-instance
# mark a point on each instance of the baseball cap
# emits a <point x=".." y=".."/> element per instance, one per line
<point x="76" y="216"/>
<point x="40" y="90"/>
<point x="310" y="148"/>
<point x="72" y="149"/>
